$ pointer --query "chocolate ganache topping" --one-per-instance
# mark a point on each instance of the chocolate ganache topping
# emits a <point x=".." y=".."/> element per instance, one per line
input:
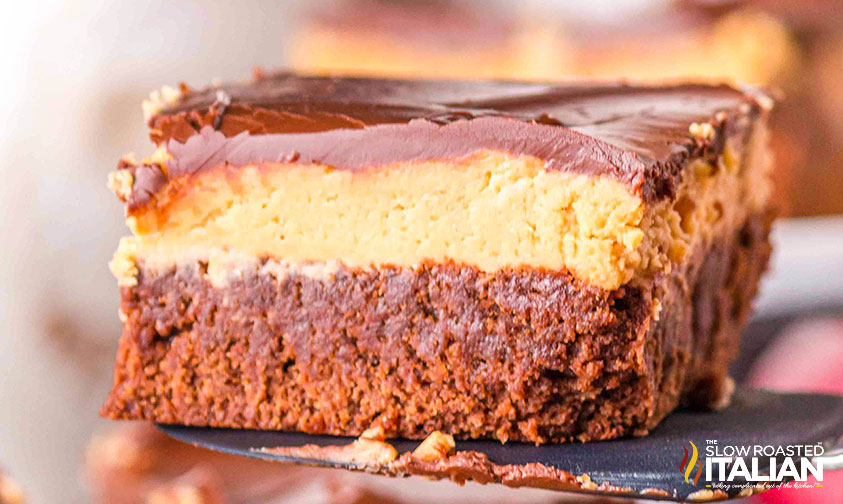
<point x="638" y="135"/>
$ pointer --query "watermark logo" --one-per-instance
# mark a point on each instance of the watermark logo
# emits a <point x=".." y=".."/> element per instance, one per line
<point x="729" y="466"/>
<point x="762" y="462"/>
<point x="687" y="466"/>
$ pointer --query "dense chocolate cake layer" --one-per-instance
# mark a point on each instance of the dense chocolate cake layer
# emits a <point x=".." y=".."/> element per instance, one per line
<point x="636" y="134"/>
<point x="519" y="354"/>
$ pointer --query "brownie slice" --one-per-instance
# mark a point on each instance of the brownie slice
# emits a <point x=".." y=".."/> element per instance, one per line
<point x="527" y="262"/>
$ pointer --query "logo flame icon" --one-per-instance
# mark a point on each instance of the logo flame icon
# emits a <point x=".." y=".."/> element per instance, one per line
<point x="687" y="469"/>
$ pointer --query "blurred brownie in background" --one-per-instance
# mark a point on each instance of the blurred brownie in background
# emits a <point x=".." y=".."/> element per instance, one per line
<point x="433" y="38"/>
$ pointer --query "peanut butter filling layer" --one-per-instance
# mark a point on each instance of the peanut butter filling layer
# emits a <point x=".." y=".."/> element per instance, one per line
<point x="491" y="210"/>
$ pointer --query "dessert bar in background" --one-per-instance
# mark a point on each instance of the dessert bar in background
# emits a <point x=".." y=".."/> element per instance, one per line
<point x="518" y="261"/>
<point x="431" y="38"/>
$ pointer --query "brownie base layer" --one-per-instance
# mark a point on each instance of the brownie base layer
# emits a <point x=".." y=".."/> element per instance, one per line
<point x="521" y="354"/>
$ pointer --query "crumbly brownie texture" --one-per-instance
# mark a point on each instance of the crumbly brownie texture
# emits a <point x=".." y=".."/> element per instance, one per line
<point x="516" y="261"/>
<point x="522" y="355"/>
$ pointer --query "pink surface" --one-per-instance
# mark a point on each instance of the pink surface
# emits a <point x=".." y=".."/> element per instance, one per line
<point x="808" y="358"/>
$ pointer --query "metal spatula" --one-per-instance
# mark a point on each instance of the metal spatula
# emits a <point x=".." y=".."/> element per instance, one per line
<point x="654" y="467"/>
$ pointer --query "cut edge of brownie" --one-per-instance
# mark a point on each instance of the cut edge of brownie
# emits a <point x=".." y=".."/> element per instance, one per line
<point x="442" y="347"/>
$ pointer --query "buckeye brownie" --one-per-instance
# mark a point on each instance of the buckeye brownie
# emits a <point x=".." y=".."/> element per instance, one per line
<point x="518" y="261"/>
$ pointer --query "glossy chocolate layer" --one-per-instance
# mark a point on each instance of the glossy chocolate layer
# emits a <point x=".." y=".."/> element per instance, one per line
<point x="637" y="135"/>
